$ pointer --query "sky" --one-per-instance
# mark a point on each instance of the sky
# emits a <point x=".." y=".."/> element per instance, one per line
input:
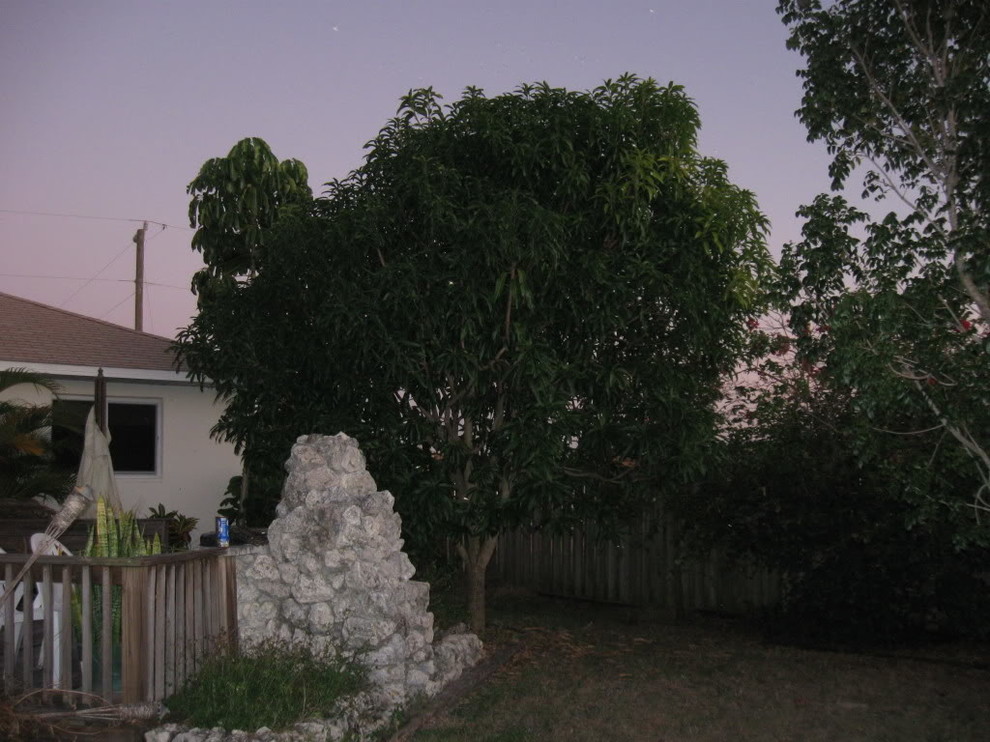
<point x="108" y="108"/>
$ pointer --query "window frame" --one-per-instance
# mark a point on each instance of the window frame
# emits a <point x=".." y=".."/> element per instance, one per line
<point x="155" y="402"/>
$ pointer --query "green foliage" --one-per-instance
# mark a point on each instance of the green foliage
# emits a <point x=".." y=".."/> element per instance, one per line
<point x="508" y="300"/>
<point x="890" y="324"/>
<point x="235" y="201"/>
<point x="902" y="86"/>
<point x="851" y="459"/>
<point x="180" y="527"/>
<point x="116" y="534"/>
<point x="845" y="513"/>
<point x="258" y="508"/>
<point x="273" y="684"/>
<point x="27" y="464"/>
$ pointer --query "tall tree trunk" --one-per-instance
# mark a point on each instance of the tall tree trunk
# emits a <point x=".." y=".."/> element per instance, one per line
<point x="476" y="552"/>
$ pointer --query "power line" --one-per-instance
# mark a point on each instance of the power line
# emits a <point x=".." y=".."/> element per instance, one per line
<point x="163" y="225"/>
<point x="159" y="233"/>
<point x="65" y="278"/>
<point x="110" y="310"/>
<point x="166" y="285"/>
<point x="83" y="278"/>
<point x="95" y="276"/>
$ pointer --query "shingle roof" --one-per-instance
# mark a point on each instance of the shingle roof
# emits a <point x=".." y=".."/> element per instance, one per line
<point x="37" y="333"/>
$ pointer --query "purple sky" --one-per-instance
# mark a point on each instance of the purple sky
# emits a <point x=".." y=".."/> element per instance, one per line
<point x="110" y="107"/>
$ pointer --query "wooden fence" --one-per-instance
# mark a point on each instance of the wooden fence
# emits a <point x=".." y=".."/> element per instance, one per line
<point x="173" y="609"/>
<point x="645" y="567"/>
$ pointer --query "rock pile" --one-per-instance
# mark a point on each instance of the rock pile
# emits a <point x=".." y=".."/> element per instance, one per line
<point x="334" y="574"/>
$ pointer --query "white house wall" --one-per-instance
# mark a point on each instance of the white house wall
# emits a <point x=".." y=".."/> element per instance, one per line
<point x="193" y="468"/>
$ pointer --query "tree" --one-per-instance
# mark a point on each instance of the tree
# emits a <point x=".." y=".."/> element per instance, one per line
<point x="901" y="90"/>
<point x="26" y="466"/>
<point x="520" y="305"/>
<point x="847" y="513"/>
<point x="235" y="201"/>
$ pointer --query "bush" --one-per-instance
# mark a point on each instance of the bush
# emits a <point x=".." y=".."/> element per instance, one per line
<point x="860" y="523"/>
<point x="273" y="684"/>
<point x="264" y="493"/>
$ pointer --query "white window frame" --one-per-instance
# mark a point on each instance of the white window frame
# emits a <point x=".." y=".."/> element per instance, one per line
<point x="155" y="402"/>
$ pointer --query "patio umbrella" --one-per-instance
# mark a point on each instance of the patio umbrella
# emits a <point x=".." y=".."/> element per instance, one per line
<point x="95" y="466"/>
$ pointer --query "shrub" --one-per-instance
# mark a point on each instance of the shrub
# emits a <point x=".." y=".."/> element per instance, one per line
<point x="264" y="493"/>
<point x="180" y="527"/>
<point x="852" y="517"/>
<point x="272" y="684"/>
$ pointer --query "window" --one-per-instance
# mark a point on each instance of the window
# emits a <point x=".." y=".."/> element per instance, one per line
<point x="133" y="434"/>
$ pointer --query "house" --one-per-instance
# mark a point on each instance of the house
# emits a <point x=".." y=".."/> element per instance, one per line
<point x="159" y="420"/>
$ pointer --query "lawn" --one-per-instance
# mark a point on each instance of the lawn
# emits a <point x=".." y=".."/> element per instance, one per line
<point x="585" y="672"/>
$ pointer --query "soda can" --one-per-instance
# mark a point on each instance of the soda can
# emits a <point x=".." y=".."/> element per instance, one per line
<point x="223" y="531"/>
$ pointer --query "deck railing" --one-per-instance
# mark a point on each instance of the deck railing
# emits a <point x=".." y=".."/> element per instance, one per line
<point x="173" y="609"/>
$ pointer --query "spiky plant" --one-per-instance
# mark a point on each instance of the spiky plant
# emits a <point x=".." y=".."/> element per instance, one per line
<point x="115" y="534"/>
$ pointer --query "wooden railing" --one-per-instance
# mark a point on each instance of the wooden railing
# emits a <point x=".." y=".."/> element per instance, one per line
<point x="173" y="609"/>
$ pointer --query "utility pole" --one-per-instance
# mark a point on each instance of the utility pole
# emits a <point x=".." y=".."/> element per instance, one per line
<point x="139" y="279"/>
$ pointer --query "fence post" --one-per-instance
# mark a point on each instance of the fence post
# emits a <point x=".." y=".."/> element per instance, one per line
<point x="86" y="611"/>
<point x="229" y="597"/>
<point x="133" y="640"/>
<point x="10" y="647"/>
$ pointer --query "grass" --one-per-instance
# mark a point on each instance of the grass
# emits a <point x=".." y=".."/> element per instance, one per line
<point x="585" y="672"/>
<point x="271" y="685"/>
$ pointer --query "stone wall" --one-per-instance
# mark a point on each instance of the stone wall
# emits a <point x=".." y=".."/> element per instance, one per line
<point x="334" y="575"/>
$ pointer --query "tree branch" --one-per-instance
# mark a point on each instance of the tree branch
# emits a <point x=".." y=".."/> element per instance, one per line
<point x="965" y="438"/>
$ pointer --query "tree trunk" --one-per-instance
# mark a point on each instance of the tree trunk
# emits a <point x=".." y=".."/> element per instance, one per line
<point x="476" y="552"/>
<point x="245" y="489"/>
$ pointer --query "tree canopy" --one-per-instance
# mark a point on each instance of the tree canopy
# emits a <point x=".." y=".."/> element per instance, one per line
<point x="899" y="90"/>
<point x="235" y="200"/>
<point x="521" y="306"/>
<point x="874" y="384"/>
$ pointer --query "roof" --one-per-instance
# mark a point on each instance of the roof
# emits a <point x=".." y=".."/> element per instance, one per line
<point x="37" y="334"/>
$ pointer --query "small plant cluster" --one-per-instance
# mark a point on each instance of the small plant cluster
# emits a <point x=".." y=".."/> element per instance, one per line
<point x="273" y="684"/>
<point x="180" y="527"/>
<point x="116" y="534"/>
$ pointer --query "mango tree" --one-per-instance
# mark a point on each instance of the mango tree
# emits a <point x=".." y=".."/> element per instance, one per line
<point x="520" y="305"/>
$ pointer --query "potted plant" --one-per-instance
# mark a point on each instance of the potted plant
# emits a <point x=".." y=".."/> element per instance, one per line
<point x="180" y="527"/>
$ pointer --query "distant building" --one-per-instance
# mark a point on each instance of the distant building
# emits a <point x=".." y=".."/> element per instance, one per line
<point x="159" y="420"/>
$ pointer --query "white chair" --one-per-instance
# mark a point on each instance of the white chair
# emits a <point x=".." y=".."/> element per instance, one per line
<point x="17" y="600"/>
<point x="42" y="544"/>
